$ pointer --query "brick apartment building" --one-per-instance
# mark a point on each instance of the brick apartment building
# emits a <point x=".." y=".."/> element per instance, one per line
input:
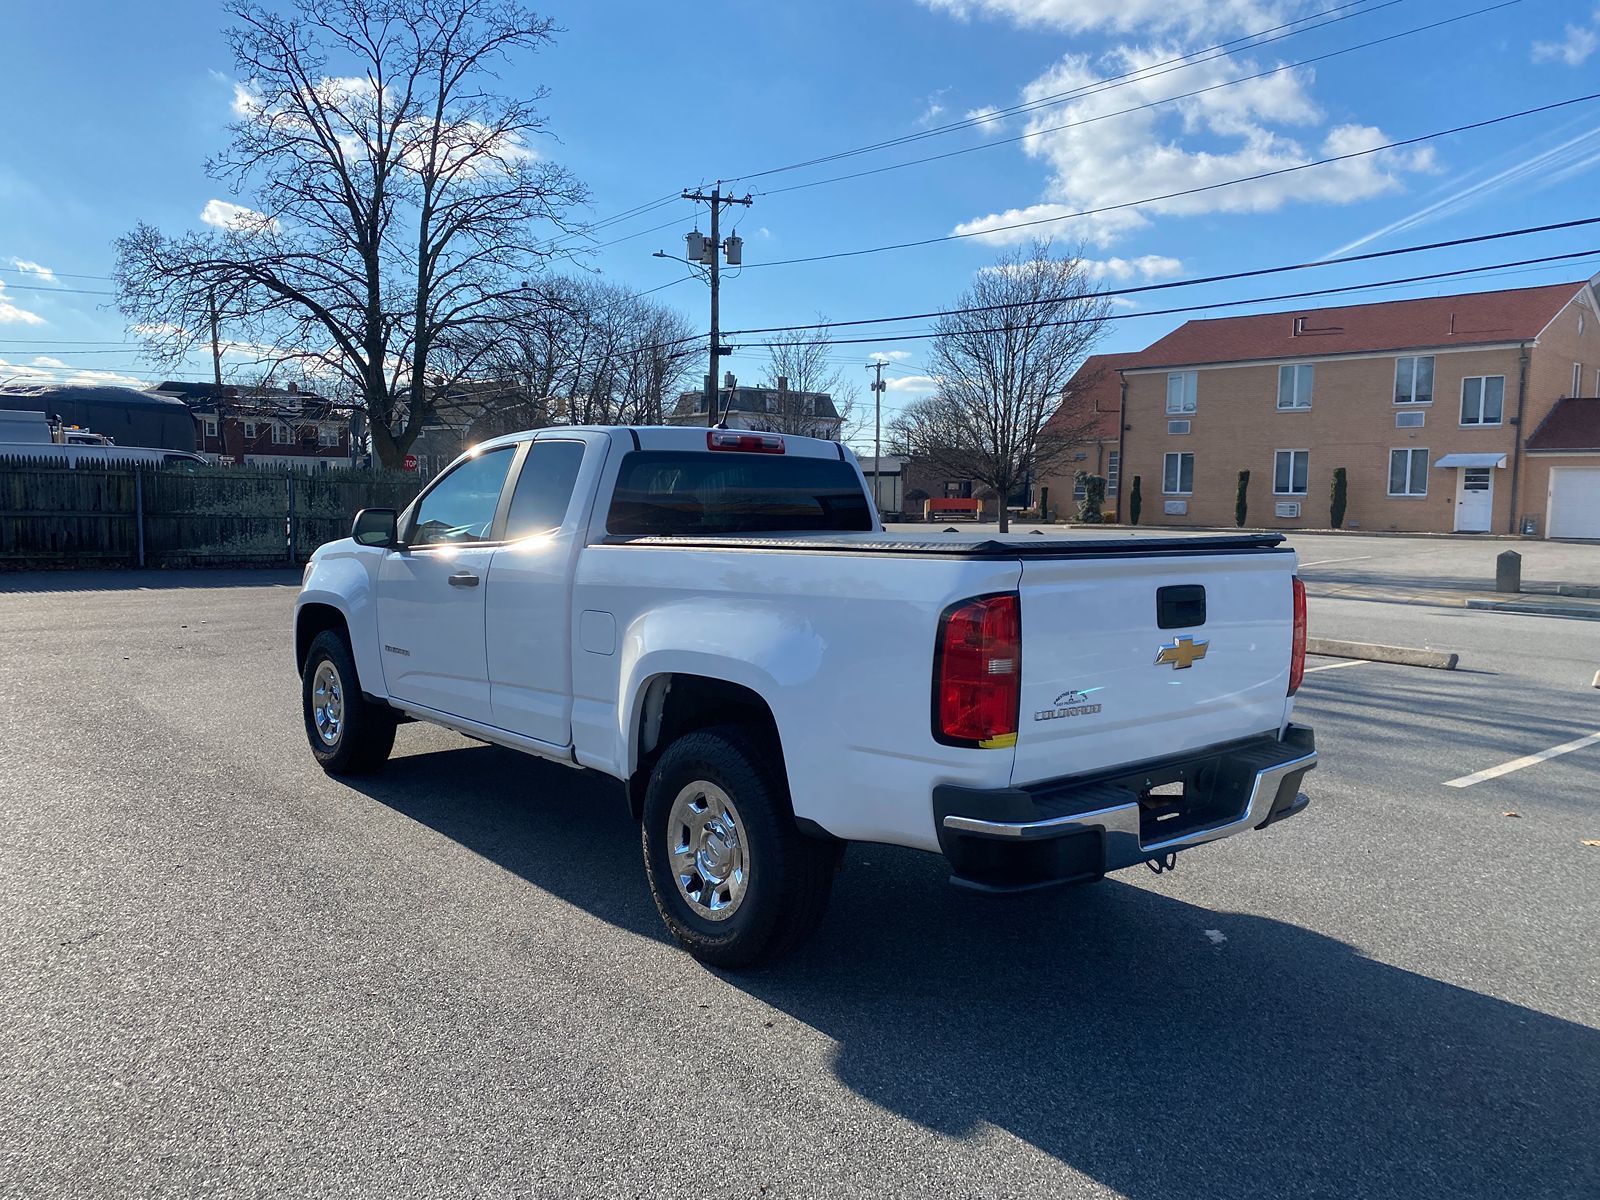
<point x="1090" y="417"/>
<point x="1451" y="413"/>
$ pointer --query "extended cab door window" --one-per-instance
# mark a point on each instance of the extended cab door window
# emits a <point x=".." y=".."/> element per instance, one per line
<point x="544" y="488"/>
<point x="461" y="507"/>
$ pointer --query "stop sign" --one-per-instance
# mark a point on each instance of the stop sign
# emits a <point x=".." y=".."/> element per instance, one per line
<point x="410" y="463"/>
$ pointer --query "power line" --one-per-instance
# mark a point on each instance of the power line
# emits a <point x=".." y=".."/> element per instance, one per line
<point x="23" y="287"/>
<point x="1149" y="104"/>
<point x="1193" y="280"/>
<point x="1105" y="83"/>
<point x="1162" y="312"/>
<point x="1194" y="191"/>
<point x="1154" y="70"/>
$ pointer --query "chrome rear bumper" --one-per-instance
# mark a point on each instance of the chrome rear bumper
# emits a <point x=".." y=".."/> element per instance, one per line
<point x="1075" y="829"/>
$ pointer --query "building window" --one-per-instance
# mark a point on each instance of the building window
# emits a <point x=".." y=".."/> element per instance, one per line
<point x="1408" y="472"/>
<point x="1289" y="472"/>
<point x="327" y="435"/>
<point x="1413" y="379"/>
<point x="1183" y="389"/>
<point x="1294" y="385"/>
<point x="1483" y="399"/>
<point x="281" y="434"/>
<point x="211" y="427"/>
<point x="1113" y="472"/>
<point x="250" y="431"/>
<point x="1177" y="475"/>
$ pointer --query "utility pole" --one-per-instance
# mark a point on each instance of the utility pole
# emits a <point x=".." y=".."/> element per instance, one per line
<point x="216" y="342"/>
<point x="877" y="432"/>
<point x="711" y="249"/>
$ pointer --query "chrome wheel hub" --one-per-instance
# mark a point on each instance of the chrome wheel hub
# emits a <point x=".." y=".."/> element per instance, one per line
<point x="709" y="853"/>
<point x="327" y="702"/>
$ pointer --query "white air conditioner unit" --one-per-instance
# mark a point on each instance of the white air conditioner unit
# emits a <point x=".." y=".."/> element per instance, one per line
<point x="1409" y="420"/>
<point x="1178" y="426"/>
<point x="1286" y="508"/>
<point x="1175" y="508"/>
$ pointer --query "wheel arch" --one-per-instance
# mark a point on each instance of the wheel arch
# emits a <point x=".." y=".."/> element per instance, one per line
<point x="312" y="619"/>
<point x="674" y="703"/>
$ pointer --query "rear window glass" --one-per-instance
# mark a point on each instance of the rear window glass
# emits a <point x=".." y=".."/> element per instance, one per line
<point x="673" y="492"/>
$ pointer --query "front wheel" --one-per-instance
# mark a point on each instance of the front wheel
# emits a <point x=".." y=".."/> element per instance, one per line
<point x="733" y="877"/>
<point x="349" y="734"/>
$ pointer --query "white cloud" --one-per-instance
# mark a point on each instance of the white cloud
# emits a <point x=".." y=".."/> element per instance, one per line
<point x="933" y="107"/>
<point x="41" y="273"/>
<point x="889" y="356"/>
<point x="1575" y="47"/>
<point x="10" y="314"/>
<point x="217" y="76"/>
<point x="1236" y="131"/>
<point x="44" y="370"/>
<point x="987" y="118"/>
<point x="1144" y="266"/>
<point x="236" y="218"/>
<point x="1122" y="16"/>
<point x="912" y="383"/>
<point x="1123" y="302"/>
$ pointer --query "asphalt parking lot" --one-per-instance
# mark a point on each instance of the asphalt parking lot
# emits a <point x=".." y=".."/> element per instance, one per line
<point x="222" y="973"/>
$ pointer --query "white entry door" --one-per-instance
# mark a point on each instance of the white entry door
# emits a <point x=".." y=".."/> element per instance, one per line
<point x="1474" y="499"/>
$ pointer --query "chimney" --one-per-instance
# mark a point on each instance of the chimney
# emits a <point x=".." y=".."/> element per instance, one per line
<point x="1299" y="327"/>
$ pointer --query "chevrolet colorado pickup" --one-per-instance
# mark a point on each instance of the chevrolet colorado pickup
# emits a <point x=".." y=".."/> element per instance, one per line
<point x="718" y="620"/>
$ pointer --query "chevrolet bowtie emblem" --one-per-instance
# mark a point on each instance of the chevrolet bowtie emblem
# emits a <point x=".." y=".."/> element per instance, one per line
<point x="1182" y="653"/>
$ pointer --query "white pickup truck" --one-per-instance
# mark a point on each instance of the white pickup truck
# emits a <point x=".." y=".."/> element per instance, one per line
<point x="717" y="620"/>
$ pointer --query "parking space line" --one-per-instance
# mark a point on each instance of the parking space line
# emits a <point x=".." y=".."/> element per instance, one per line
<point x="1322" y="562"/>
<point x="1527" y="760"/>
<point x="1334" y="666"/>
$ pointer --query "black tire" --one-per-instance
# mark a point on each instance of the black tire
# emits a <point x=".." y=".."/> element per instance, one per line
<point x="790" y="875"/>
<point x="365" y="732"/>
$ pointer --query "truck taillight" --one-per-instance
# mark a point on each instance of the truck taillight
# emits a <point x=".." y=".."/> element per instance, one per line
<point x="749" y="443"/>
<point x="1297" y="649"/>
<point x="977" y="672"/>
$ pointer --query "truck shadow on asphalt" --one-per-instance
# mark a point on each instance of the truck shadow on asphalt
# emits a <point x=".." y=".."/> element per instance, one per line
<point x="1163" y="1049"/>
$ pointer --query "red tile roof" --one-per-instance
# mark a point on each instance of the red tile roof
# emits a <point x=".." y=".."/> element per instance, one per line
<point x="1571" y="425"/>
<point x="1094" y="396"/>
<point x="1476" y="318"/>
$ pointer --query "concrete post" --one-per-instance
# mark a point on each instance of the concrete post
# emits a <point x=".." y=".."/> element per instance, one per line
<point x="1508" y="572"/>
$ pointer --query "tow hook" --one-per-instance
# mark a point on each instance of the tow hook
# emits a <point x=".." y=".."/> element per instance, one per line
<point x="1160" y="866"/>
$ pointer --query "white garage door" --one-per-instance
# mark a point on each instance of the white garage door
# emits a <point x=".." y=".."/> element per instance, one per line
<point x="1575" y="502"/>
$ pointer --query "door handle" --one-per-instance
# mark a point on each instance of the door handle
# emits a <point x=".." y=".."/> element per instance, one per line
<point x="464" y="579"/>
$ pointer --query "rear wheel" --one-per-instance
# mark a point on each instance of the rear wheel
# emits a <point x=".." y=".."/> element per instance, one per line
<point x="735" y="880"/>
<point x="349" y="734"/>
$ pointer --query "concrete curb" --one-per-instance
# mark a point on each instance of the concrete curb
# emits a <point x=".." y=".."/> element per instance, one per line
<point x="1537" y="609"/>
<point x="1405" y="656"/>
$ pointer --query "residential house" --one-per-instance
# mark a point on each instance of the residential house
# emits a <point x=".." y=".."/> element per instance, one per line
<point x="770" y="410"/>
<point x="1427" y="404"/>
<point x="1089" y="420"/>
<point x="266" y="426"/>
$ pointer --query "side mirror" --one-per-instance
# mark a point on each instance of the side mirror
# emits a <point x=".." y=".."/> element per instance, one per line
<point x="375" y="527"/>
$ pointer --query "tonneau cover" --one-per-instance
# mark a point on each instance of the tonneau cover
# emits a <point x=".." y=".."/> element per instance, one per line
<point x="1024" y="546"/>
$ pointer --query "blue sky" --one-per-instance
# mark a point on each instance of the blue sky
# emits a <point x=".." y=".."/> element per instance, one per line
<point x="112" y="108"/>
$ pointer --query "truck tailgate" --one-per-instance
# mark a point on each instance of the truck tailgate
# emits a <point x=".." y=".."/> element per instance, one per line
<point x="1104" y="684"/>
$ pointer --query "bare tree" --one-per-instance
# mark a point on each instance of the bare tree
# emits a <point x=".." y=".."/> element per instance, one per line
<point x="803" y="361"/>
<point x="396" y="202"/>
<point x="584" y="352"/>
<point x="1003" y="370"/>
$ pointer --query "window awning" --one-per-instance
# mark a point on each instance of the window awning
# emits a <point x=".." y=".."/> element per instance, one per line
<point x="1471" y="460"/>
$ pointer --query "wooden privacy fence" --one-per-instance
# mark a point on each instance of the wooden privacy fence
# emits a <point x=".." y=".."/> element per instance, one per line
<point x="54" y="515"/>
